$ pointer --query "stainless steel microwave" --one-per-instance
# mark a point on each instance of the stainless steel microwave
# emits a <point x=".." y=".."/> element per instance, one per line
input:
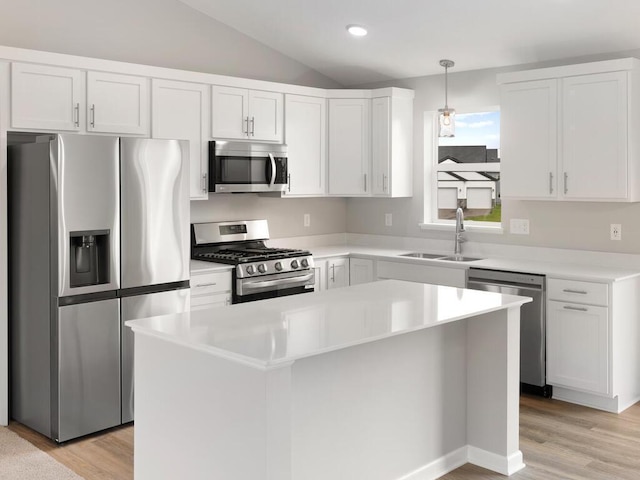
<point x="247" y="167"/>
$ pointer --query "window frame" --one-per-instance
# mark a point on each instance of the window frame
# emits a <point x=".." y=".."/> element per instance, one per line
<point x="431" y="169"/>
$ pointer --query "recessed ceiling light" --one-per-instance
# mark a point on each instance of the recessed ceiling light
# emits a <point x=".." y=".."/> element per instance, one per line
<point x="357" y="30"/>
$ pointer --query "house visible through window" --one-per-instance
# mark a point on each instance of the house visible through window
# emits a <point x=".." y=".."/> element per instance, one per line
<point x="468" y="169"/>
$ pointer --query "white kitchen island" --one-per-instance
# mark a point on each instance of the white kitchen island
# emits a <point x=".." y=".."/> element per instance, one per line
<point x="382" y="381"/>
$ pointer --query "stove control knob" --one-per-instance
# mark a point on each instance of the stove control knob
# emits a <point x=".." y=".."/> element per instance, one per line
<point x="278" y="266"/>
<point x="262" y="268"/>
<point x="305" y="263"/>
<point x="294" y="264"/>
<point x="251" y="270"/>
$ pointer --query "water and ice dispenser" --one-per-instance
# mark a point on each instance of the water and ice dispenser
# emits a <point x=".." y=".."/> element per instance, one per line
<point x="89" y="257"/>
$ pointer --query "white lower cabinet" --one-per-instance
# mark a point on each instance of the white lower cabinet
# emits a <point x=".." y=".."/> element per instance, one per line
<point x="361" y="270"/>
<point x="578" y="346"/>
<point x="210" y="290"/>
<point x="331" y="273"/>
<point x="450" y="276"/>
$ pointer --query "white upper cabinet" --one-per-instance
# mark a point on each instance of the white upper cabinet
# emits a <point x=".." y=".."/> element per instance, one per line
<point x="528" y="141"/>
<point x="595" y="129"/>
<point x="349" y="146"/>
<point x="306" y="139"/>
<point x="180" y="110"/>
<point x="53" y="98"/>
<point x="45" y="97"/>
<point x="571" y="135"/>
<point x="392" y="146"/>
<point x="238" y="113"/>
<point x="117" y="103"/>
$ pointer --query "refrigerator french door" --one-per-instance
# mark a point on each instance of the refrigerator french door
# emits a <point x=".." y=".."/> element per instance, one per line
<point x="155" y="240"/>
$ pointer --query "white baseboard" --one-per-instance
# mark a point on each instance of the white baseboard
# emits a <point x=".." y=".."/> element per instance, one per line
<point x="467" y="454"/>
<point x="439" y="467"/>
<point x="497" y="463"/>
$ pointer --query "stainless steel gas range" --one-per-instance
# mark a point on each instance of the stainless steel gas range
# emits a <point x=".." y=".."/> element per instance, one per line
<point x="260" y="272"/>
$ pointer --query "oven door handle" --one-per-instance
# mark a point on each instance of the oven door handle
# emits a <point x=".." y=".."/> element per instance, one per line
<point x="283" y="281"/>
<point x="273" y="169"/>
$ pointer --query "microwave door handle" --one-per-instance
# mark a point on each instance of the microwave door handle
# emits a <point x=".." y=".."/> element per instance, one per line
<point x="273" y="170"/>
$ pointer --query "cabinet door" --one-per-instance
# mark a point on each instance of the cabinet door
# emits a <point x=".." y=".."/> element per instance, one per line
<point x="180" y="110"/>
<point x="320" y="269"/>
<point x="117" y="103"/>
<point x="229" y="112"/>
<point x="594" y="142"/>
<point x="380" y="146"/>
<point x="349" y="139"/>
<point x="211" y="301"/>
<point x="46" y="97"/>
<point x="578" y="346"/>
<point x="306" y="134"/>
<point x="528" y="139"/>
<point x="360" y="271"/>
<point x="337" y="272"/>
<point x="266" y="112"/>
<point x="450" y="276"/>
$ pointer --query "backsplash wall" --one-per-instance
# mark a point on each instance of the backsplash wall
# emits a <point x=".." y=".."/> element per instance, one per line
<point x="285" y="215"/>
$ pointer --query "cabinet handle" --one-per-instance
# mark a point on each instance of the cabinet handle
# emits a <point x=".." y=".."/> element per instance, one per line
<point x="245" y="122"/>
<point x="568" y="290"/>
<point x="289" y="182"/>
<point x="579" y="309"/>
<point x="566" y="175"/>
<point x="550" y="182"/>
<point x="384" y="182"/>
<point x="253" y="126"/>
<point x="365" y="182"/>
<point x="212" y="284"/>
<point x="76" y="115"/>
<point x="204" y="183"/>
<point x="333" y="273"/>
<point x="93" y="115"/>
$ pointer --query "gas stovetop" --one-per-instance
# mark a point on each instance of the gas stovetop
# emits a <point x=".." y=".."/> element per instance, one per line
<point x="237" y="254"/>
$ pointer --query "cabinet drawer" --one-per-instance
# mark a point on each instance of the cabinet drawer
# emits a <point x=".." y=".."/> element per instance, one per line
<point x="578" y="292"/>
<point x="210" y="301"/>
<point x="207" y="283"/>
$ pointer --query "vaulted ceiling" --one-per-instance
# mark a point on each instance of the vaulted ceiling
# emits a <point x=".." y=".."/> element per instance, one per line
<point x="407" y="38"/>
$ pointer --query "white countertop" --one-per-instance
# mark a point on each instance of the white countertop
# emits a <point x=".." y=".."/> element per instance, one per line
<point x="572" y="271"/>
<point x="198" y="266"/>
<point x="274" y="332"/>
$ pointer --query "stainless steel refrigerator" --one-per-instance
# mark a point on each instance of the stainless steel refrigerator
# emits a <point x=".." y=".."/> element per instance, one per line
<point x="98" y="235"/>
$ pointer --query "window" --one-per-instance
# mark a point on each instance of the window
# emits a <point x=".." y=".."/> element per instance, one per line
<point x="467" y="171"/>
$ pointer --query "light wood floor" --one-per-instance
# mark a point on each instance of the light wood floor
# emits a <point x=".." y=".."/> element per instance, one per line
<point x="559" y="441"/>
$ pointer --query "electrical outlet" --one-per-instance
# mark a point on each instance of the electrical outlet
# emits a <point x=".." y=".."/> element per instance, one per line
<point x="307" y="219"/>
<point x="388" y="219"/>
<point x="519" y="226"/>
<point x="616" y="231"/>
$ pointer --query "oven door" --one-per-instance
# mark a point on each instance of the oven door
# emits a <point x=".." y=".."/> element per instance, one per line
<point x="233" y="172"/>
<point x="272" y="286"/>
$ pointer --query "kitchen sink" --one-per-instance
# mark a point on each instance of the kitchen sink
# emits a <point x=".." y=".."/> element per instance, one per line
<point x="423" y="255"/>
<point x="459" y="258"/>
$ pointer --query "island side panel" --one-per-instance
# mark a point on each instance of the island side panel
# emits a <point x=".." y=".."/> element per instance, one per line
<point x="493" y="390"/>
<point x="390" y="409"/>
<point x="199" y="416"/>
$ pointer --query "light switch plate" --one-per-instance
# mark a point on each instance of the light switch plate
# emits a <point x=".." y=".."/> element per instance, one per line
<point x="307" y="219"/>
<point x="519" y="226"/>
<point x="388" y="219"/>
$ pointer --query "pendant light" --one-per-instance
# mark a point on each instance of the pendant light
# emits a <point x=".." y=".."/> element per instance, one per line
<point x="446" y="115"/>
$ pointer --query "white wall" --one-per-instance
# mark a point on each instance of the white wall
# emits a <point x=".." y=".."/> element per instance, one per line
<point x="164" y="33"/>
<point x="285" y="215"/>
<point x="576" y="225"/>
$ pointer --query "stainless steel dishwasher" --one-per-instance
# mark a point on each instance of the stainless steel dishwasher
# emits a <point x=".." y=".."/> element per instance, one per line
<point x="532" y="321"/>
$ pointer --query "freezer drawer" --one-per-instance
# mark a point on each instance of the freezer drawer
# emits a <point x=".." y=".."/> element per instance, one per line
<point x="141" y="306"/>
<point x="89" y="368"/>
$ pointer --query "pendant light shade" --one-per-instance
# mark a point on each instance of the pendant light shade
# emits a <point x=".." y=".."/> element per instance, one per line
<point x="446" y="115"/>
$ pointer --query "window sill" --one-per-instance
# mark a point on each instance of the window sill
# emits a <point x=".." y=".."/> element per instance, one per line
<point x="469" y="227"/>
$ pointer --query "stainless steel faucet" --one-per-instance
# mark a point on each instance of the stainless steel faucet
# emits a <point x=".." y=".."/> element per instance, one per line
<point x="457" y="250"/>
